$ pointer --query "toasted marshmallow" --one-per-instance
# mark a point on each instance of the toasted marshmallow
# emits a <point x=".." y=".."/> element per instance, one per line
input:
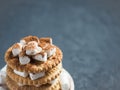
<point x="32" y="48"/>
<point x="50" y="52"/>
<point x="46" y="40"/>
<point x="24" y="60"/>
<point x="41" y="57"/>
<point x="19" y="84"/>
<point x="22" y="74"/>
<point x="44" y="45"/>
<point x="37" y="75"/>
<point x="16" y="49"/>
<point x="32" y="43"/>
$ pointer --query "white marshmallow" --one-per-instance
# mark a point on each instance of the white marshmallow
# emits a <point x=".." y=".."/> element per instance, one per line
<point x="37" y="75"/>
<point x="51" y="42"/>
<point x="19" y="84"/>
<point x="23" y="42"/>
<point x="17" y="48"/>
<point x="37" y="85"/>
<point x="23" y="74"/>
<point x="16" y="51"/>
<point x="53" y="81"/>
<point x="24" y="60"/>
<point x="40" y="57"/>
<point x="51" y="52"/>
<point x="34" y="51"/>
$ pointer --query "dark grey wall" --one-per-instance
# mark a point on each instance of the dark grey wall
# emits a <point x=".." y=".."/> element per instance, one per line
<point x="88" y="32"/>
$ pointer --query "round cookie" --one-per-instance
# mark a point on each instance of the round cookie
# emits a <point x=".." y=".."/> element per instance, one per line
<point x="13" y="86"/>
<point x="50" y="75"/>
<point x="34" y="66"/>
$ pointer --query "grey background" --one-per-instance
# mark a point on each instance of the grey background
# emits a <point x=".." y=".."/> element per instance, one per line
<point x="88" y="32"/>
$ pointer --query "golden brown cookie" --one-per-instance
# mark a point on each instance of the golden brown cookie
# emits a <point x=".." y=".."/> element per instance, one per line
<point x="14" y="86"/>
<point x="49" y="76"/>
<point x="34" y="66"/>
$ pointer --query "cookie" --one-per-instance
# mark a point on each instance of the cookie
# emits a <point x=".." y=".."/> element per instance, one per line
<point x="49" y="76"/>
<point x="34" y="66"/>
<point x="14" y="86"/>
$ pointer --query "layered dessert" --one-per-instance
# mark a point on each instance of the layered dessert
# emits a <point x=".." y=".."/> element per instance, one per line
<point x="34" y="64"/>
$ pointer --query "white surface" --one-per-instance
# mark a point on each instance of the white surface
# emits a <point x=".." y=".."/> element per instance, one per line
<point x="66" y="80"/>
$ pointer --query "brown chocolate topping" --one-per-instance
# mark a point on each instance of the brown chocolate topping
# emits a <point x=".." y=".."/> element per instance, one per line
<point x="31" y="38"/>
<point x="46" y="40"/>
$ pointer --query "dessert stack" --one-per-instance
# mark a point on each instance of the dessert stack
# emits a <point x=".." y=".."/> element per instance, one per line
<point x="33" y="64"/>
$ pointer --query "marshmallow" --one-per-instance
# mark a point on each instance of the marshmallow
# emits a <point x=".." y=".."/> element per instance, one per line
<point x="53" y="81"/>
<point x="23" y="74"/>
<point x="37" y="85"/>
<point x="46" y="40"/>
<point x="24" y="60"/>
<point x="37" y="75"/>
<point x="51" y="52"/>
<point x="16" y="49"/>
<point x="44" y="45"/>
<point x="23" y="42"/>
<point x="32" y="43"/>
<point x="41" y="57"/>
<point x="32" y="48"/>
<point x="19" y="84"/>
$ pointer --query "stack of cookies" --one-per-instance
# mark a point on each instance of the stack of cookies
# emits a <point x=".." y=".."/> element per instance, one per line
<point x="33" y="64"/>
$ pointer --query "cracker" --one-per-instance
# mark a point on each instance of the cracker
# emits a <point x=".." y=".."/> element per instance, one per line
<point x="50" y="75"/>
<point x="13" y="86"/>
<point x="34" y="66"/>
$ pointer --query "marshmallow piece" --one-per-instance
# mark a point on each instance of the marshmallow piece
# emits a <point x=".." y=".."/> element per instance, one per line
<point x="37" y="85"/>
<point x="19" y="84"/>
<point x="32" y="48"/>
<point x="51" y="52"/>
<point x="24" y="60"/>
<point x="34" y="51"/>
<point x="33" y="43"/>
<point x="23" y="42"/>
<point x="16" y="49"/>
<point x="46" y="40"/>
<point x="53" y="81"/>
<point x="23" y="74"/>
<point x="41" y="57"/>
<point x="37" y="75"/>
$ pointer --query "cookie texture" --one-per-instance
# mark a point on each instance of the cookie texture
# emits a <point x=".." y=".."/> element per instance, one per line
<point x="13" y="86"/>
<point x="50" y="75"/>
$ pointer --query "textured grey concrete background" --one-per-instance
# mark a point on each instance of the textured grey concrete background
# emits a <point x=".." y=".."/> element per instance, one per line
<point x="88" y="32"/>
